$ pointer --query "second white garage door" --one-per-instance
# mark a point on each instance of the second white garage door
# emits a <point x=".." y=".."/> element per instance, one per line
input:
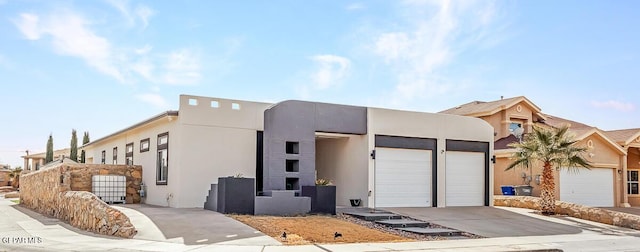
<point x="592" y="187"/>
<point x="465" y="178"/>
<point x="402" y="178"/>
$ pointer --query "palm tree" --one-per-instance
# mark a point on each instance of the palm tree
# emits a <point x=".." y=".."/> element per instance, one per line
<point x="553" y="147"/>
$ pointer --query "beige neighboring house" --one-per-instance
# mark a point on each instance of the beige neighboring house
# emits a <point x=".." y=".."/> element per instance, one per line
<point x="33" y="162"/>
<point x="380" y="156"/>
<point x="511" y="118"/>
<point x="5" y="170"/>
<point x="629" y="140"/>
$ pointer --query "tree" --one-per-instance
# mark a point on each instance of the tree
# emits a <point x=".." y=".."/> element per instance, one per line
<point x="85" y="140"/>
<point x="73" y="155"/>
<point x="49" y="156"/>
<point x="551" y="147"/>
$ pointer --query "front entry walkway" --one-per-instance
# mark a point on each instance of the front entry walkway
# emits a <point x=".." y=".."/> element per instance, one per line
<point x="486" y="221"/>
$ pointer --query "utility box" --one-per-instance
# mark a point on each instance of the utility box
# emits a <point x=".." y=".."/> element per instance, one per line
<point x="110" y="188"/>
<point x="523" y="190"/>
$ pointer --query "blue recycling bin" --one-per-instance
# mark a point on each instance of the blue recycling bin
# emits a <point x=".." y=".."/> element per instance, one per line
<point x="508" y="190"/>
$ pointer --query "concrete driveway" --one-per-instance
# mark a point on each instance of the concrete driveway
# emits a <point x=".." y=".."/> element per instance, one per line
<point x="486" y="221"/>
<point x="190" y="226"/>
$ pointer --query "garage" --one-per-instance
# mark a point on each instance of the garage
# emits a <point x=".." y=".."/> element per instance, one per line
<point x="592" y="187"/>
<point x="465" y="178"/>
<point x="403" y="177"/>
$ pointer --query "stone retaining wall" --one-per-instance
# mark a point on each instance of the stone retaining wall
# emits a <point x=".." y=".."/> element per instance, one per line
<point x="574" y="210"/>
<point x="48" y="191"/>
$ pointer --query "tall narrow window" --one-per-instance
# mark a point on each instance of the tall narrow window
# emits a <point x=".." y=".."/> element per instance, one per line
<point x="115" y="155"/>
<point x="632" y="182"/>
<point x="129" y="154"/>
<point x="104" y="157"/>
<point x="162" y="168"/>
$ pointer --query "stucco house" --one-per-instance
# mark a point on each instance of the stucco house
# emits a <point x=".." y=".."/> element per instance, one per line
<point x="511" y="118"/>
<point x="33" y="162"/>
<point x="380" y="156"/>
<point x="5" y="179"/>
<point x="629" y="140"/>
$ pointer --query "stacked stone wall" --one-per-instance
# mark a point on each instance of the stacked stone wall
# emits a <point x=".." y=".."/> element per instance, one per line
<point x="49" y="191"/>
<point x="574" y="210"/>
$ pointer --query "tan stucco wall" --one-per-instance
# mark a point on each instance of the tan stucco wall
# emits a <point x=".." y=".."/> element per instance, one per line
<point x="344" y="161"/>
<point x="633" y="163"/>
<point x="605" y="157"/>
<point x="4" y="178"/>
<point x="427" y="125"/>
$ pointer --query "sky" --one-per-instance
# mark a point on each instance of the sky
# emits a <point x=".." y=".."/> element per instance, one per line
<point x="101" y="66"/>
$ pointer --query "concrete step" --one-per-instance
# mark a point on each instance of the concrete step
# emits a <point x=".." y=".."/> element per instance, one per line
<point x="433" y="231"/>
<point x="374" y="216"/>
<point x="402" y="223"/>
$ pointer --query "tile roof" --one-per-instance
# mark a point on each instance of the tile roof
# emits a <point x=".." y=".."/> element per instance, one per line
<point x="481" y="108"/>
<point x="555" y="121"/>
<point x="622" y="136"/>
<point x="503" y="143"/>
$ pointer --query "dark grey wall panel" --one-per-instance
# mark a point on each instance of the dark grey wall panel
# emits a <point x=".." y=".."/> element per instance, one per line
<point x="297" y="121"/>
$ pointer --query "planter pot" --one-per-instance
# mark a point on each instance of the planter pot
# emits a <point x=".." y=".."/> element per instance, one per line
<point x="236" y="195"/>
<point x="323" y="198"/>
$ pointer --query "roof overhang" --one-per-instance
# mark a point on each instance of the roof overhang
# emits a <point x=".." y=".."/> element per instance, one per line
<point x="168" y="114"/>
<point x="535" y="108"/>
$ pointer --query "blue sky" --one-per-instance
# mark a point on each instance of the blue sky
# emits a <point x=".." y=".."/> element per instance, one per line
<point x="100" y="66"/>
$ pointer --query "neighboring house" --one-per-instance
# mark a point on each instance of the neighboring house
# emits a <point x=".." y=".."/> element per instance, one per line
<point x="5" y="179"/>
<point x="629" y="139"/>
<point x="33" y="162"/>
<point x="513" y="117"/>
<point x="384" y="157"/>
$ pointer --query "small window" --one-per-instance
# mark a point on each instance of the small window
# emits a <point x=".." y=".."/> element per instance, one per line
<point x="193" y="102"/>
<point x="292" y="165"/>
<point x="115" y="155"/>
<point x="129" y="154"/>
<point x="215" y="104"/>
<point x="144" y="145"/>
<point x="235" y="106"/>
<point x="632" y="182"/>
<point x="292" y="148"/>
<point x="104" y="157"/>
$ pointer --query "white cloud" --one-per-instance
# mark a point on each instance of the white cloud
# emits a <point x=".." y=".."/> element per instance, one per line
<point x="141" y="12"/>
<point x="355" y="6"/>
<point x="71" y="34"/>
<point x="615" y="105"/>
<point x="331" y="70"/>
<point x="182" y="67"/>
<point x="154" y="99"/>
<point x="433" y="34"/>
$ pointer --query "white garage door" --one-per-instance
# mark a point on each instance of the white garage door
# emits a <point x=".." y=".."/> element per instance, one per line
<point x="402" y="178"/>
<point x="465" y="178"/>
<point x="592" y="187"/>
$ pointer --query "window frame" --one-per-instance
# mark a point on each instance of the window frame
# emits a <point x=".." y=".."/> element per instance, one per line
<point x="115" y="156"/>
<point x="142" y="145"/>
<point x="162" y="172"/>
<point x="630" y="182"/>
<point x="103" y="159"/>
<point x="128" y="156"/>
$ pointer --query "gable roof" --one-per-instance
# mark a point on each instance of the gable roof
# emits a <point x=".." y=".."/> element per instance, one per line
<point x="481" y="108"/>
<point x="625" y="136"/>
<point x="555" y="121"/>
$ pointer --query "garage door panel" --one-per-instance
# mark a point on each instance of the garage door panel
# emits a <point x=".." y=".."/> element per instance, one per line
<point x="592" y="187"/>
<point x="402" y="178"/>
<point x="465" y="178"/>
